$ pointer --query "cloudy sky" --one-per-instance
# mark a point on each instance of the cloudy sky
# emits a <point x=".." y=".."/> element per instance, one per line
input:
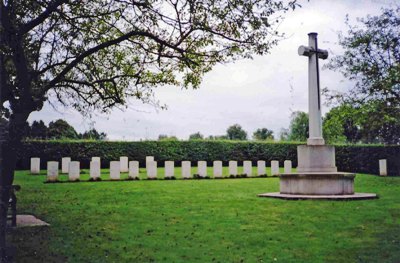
<point x="257" y="93"/>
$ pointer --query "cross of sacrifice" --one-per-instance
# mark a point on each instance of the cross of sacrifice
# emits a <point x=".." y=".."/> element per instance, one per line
<point x="314" y="101"/>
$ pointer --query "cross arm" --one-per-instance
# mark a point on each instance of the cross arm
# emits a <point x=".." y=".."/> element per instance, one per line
<point x="307" y="51"/>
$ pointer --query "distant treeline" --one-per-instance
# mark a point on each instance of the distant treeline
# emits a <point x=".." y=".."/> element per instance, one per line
<point x="59" y="129"/>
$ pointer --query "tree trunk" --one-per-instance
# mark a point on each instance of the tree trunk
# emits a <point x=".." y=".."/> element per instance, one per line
<point x="10" y="143"/>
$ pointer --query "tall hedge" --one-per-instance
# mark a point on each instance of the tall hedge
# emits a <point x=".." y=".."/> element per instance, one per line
<point x="351" y="158"/>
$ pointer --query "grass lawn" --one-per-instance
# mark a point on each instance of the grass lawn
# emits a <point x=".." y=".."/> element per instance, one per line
<point x="203" y="221"/>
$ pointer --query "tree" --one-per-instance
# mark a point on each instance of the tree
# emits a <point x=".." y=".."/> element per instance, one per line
<point x="164" y="137"/>
<point x="341" y="124"/>
<point x="95" y="55"/>
<point x="61" y="129"/>
<point x="236" y="132"/>
<point x="196" y="136"/>
<point x="38" y="130"/>
<point x="263" y="134"/>
<point x="372" y="60"/>
<point x="298" y="129"/>
<point x="93" y="134"/>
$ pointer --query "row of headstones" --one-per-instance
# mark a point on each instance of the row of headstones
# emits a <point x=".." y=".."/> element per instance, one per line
<point x="132" y="167"/>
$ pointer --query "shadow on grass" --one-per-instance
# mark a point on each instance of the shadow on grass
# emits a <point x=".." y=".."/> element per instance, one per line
<point x="32" y="245"/>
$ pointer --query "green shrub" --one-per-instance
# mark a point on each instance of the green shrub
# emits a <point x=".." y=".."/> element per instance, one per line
<point x="351" y="158"/>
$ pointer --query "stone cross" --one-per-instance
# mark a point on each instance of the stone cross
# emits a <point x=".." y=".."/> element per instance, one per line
<point x="314" y="94"/>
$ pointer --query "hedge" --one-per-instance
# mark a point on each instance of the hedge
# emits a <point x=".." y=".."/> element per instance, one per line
<point x="350" y="158"/>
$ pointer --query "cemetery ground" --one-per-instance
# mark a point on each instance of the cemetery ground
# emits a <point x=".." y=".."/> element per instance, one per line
<point x="203" y="221"/>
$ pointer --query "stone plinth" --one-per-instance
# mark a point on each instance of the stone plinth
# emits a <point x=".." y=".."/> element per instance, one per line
<point x="316" y="158"/>
<point x="317" y="183"/>
<point x="35" y="165"/>
<point x="317" y="177"/>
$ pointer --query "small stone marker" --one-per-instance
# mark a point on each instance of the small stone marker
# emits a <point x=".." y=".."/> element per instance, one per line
<point x="152" y="169"/>
<point x="133" y="169"/>
<point x="217" y="169"/>
<point x="65" y="164"/>
<point x="287" y="166"/>
<point x="261" y="168"/>
<point x="95" y="170"/>
<point x="274" y="167"/>
<point x="233" y="168"/>
<point x="35" y="165"/>
<point x="247" y="168"/>
<point x="186" y="169"/>
<point x="115" y="173"/>
<point x="73" y="171"/>
<point x="202" y="168"/>
<point x="169" y="169"/>
<point x="149" y="159"/>
<point x="52" y="171"/>
<point x="123" y="162"/>
<point x="383" y="167"/>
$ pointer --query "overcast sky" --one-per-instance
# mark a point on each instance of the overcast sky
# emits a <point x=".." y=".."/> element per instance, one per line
<point x="257" y="93"/>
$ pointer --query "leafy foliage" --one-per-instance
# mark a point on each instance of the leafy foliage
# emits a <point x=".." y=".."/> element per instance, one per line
<point x="61" y="129"/>
<point x="263" y="134"/>
<point x="196" y="136"/>
<point x="372" y="58"/>
<point x="298" y="129"/>
<point x="236" y="132"/>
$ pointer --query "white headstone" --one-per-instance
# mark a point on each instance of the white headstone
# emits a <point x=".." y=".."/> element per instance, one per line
<point x="95" y="170"/>
<point x="217" y="169"/>
<point x="287" y="166"/>
<point x="233" y="168"/>
<point x="35" y="165"/>
<point x="73" y="171"/>
<point x="274" y="167"/>
<point x="247" y="168"/>
<point x="96" y="159"/>
<point x="186" y="169"/>
<point x="202" y="168"/>
<point x="133" y="169"/>
<point x="52" y="171"/>
<point x="65" y="164"/>
<point x="261" y="168"/>
<point x="152" y="169"/>
<point x="123" y="162"/>
<point x="149" y="159"/>
<point x="383" y="167"/>
<point x="169" y="169"/>
<point x="115" y="173"/>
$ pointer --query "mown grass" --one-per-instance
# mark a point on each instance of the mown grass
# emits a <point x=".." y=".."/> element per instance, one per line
<point x="203" y="221"/>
